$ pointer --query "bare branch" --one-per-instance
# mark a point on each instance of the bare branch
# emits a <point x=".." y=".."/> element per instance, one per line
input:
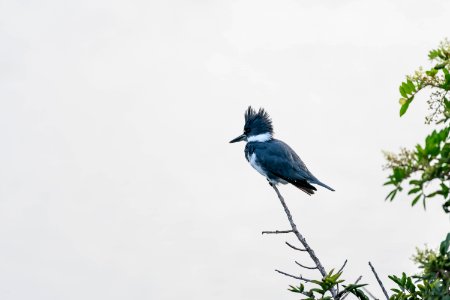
<point x="379" y="281"/>
<point x="295" y="248"/>
<point x="343" y="266"/>
<point x="277" y="231"/>
<point x="293" y="276"/>
<point x="303" y="240"/>
<point x="311" y="268"/>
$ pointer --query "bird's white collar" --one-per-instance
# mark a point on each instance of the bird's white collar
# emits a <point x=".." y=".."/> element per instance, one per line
<point x="263" y="137"/>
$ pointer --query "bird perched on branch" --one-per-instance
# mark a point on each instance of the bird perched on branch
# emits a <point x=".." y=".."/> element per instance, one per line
<point x="273" y="158"/>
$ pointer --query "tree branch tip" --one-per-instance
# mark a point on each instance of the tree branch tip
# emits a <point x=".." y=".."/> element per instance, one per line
<point x="277" y="231"/>
<point x="379" y="281"/>
<point x="306" y="267"/>
<point x="293" y="276"/>
<point x="295" y="248"/>
<point x="343" y="266"/>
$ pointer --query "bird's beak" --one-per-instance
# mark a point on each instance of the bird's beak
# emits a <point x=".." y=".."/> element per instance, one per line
<point x="239" y="138"/>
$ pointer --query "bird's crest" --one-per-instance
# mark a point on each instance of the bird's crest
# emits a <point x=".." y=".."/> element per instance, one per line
<point x="258" y="120"/>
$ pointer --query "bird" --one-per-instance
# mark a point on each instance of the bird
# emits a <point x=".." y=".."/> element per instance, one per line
<point x="272" y="158"/>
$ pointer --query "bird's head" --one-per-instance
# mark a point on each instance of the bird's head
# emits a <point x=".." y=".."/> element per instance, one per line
<point x="258" y="126"/>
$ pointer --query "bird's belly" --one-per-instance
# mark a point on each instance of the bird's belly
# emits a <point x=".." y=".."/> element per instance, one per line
<point x="253" y="160"/>
<point x="254" y="163"/>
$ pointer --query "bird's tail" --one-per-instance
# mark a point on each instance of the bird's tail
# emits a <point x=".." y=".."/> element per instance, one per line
<point x="303" y="185"/>
<point x="324" y="185"/>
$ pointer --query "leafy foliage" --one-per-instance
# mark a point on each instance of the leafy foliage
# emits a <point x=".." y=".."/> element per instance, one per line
<point x="426" y="169"/>
<point x="321" y="289"/>
<point x="433" y="282"/>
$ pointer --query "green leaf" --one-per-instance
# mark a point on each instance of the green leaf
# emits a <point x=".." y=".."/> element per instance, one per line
<point x="399" y="173"/>
<point x="403" y="280"/>
<point x="439" y="66"/>
<point x="402" y="91"/>
<point x="416" y="199"/>
<point x="445" y="190"/>
<point x="411" y="85"/>
<point x="318" y="291"/>
<point x="298" y="289"/>
<point x="351" y="287"/>
<point x="446" y="103"/>
<point x="395" y="279"/>
<point x="410" y="286"/>
<point x="391" y="195"/>
<point x="446" y="206"/>
<point x="433" y="194"/>
<point x="443" y="249"/>
<point x="420" y="149"/>
<point x="434" y="53"/>
<point x="406" y="88"/>
<point x="431" y="72"/>
<point x="415" y="182"/>
<point x="414" y="190"/>
<point x="405" y="106"/>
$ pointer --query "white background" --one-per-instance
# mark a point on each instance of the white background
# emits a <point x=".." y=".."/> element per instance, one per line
<point x="116" y="177"/>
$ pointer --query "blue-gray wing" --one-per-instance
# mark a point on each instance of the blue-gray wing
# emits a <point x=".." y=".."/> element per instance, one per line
<point x="281" y="161"/>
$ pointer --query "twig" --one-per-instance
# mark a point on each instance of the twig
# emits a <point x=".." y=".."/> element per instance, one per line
<point x="379" y="281"/>
<point x="346" y="294"/>
<point x="295" y="248"/>
<point x="293" y="276"/>
<point x="340" y="270"/>
<point x="311" y="268"/>
<point x="303" y="240"/>
<point x="277" y="231"/>
<point x="343" y="266"/>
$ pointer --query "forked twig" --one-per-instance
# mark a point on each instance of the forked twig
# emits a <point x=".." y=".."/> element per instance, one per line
<point x="302" y="240"/>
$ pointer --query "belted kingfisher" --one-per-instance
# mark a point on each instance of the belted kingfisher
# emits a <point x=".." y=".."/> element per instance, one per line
<point x="273" y="158"/>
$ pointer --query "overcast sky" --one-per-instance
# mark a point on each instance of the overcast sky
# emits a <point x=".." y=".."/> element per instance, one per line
<point x="117" y="179"/>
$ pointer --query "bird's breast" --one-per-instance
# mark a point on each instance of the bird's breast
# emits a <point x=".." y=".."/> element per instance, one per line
<point x="253" y="160"/>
